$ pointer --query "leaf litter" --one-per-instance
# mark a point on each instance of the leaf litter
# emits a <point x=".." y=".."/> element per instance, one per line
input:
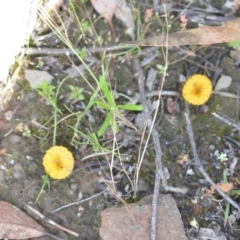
<point x="124" y="13"/>
<point x="106" y="8"/>
<point x="15" y="224"/>
<point x="223" y="82"/>
<point x="228" y="32"/>
<point x="120" y="9"/>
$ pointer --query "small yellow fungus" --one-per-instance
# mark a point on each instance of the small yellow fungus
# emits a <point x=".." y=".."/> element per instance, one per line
<point x="58" y="162"/>
<point x="197" y="89"/>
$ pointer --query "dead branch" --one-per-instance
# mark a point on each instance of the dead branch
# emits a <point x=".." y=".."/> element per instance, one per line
<point x="80" y="201"/>
<point x="51" y="221"/>
<point x="158" y="158"/>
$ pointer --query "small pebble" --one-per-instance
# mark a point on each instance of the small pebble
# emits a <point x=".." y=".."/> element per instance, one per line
<point x="17" y="170"/>
<point x="212" y="147"/>
<point x="11" y="162"/>
<point x="74" y="187"/>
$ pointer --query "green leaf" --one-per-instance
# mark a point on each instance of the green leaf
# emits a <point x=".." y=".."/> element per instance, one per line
<point x="162" y="69"/>
<point x="76" y="93"/>
<point x="83" y="53"/>
<point x="105" y="125"/>
<point x="40" y="63"/>
<point x="225" y="180"/>
<point x="114" y="125"/>
<point x="91" y="102"/>
<point x="233" y="192"/>
<point x="131" y="107"/>
<point x="106" y="91"/>
<point x="102" y="104"/>
<point x="234" y="44"/>
<point x="46" y="90"/>
<point x="46" y="181"/>
<point x="226" y="213"/>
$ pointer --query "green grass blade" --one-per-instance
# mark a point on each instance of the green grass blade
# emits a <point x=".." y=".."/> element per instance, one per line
<point x="3" y="185"/>
<point x="235" y="192"/>
<point x="105" y="125"/>
<point x="102" y="104"/>
<point x="131" y="107"/>
<point x="226" y="212"/>
<point x="45" y="181"/>
<point x="91" y="102"/>
<point x="227" y="207"/>
<point x="114" y="125"/>
<point x="225" y="180"/>
<point x="106" y="91"/>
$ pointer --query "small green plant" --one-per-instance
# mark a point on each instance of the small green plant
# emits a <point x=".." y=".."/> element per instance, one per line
<point x="91" y="139"/>
<point x="109" y="104"/>
<point x="26" y="131"/>
<point x="234" y="44"/>
<point x="83" y="53"/>
<point x="84" y="25"/>
<point x="47" y="91"/>
<point x="101" y="94"/>
<point x="162" y="69"/>
<point x="223" y="157"/>
<point x="76" y="93"/>
<point x="40" y="63"/>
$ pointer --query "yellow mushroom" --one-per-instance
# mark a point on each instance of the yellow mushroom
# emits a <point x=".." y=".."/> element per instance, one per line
<point x="197" y="89"/>
<point x="58" y="162"/>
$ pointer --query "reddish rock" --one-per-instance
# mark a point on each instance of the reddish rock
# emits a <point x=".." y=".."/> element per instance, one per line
<point x="133" y="221"/>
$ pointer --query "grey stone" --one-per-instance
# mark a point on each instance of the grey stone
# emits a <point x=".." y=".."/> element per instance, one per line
<point x="133" y="221"/>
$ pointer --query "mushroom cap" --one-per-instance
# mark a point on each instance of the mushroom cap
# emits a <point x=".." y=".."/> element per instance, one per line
<point x="197" y="89"/>
<point x="58" y="162"/>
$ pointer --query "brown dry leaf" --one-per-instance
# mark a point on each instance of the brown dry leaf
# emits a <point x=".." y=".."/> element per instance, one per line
<point x="2" y="151"/>
<point x="197" y="209"/>
<point x="184" y="22"/>
<point x="225" y="187"/>
<point x="148" y="15"/>
<point x="236" y="5"/>
<point x="228" y="32"/>
<point x="19" y="128"/>
<point x="223" y="82"/>
<point x="124" y="14"/>
<point x="207" y="192"/>
<point x="106" y="8"/>
<point x="15" y="224"/>
<point x="183" y="158"/>
<point x="172" y="106"/>
<point x="55" y="4"/>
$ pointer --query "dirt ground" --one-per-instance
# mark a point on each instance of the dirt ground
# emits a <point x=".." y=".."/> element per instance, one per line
<point x="26" y="133"/>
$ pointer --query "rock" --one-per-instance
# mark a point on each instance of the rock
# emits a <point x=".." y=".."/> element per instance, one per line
<point x="36" y="77"/>
<point x="133" y="221"/>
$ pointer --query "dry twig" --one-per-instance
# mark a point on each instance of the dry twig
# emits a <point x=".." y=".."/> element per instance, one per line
<point x="158" y="158"/>
<point x="52" y="222"/>
<point x="78" y="202"/>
